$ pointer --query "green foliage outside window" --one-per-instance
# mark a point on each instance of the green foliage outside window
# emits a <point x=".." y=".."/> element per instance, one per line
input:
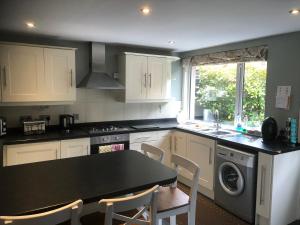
<point x="216" y="89"/>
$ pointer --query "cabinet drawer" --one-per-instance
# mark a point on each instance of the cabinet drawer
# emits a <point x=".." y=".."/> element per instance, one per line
<point x="30" y="153"/>
<point x="143" y="137"/>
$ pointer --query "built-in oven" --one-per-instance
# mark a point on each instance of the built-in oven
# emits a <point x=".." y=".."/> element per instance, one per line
<point x="109" y="143"/>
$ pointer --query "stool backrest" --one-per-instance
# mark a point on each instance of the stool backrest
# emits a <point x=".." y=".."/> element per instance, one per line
<point x="69" y="212"/>
<point x="143" y="201"/>
<point x="150" y="151"/>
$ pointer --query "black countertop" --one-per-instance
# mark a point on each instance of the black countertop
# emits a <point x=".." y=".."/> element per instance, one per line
<point x="245" y="142"/>
<point x="41" y="186"/>
<point x="17" y="137"/>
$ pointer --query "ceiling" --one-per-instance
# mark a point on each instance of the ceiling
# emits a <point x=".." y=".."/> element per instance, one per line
<point x="192" y="24"/>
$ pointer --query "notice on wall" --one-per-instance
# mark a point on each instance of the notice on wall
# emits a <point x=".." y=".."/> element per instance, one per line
<point x="283" y="97"/>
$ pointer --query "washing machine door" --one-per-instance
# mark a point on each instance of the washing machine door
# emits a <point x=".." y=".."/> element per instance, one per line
<point x="231" y="179"/>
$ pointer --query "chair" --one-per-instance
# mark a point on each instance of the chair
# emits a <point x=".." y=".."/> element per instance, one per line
<point x="146" y="199"/>
<point x="153" y="152"/>
<point x="172" y="201"/>
<point x="69" y="212"/>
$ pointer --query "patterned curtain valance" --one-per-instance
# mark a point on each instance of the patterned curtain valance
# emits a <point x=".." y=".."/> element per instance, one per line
<point x="259" y="53"/>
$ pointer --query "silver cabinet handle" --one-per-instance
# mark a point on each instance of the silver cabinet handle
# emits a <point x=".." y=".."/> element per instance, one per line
<point x="150" y="81"/>
<point x="145" y="80"/>
<point x="175" y="144"/>
<point x="4" y="76"/>
<point x="71" y="75"/>
<point x="262" y="186"/>
<point x="210" y="158"/>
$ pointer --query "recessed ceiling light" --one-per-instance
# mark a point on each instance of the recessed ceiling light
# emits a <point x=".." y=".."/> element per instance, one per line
<point x="145" y="10"/>
<point x="294" y="11"/>
<point x="171" y="42"/>
<point x="30" y="25"/>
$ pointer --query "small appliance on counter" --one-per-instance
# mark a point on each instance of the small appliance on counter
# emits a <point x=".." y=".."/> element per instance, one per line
<point x="269" y="130"/>
<point x="3" y="126"/>
<point x="34" y="127"/>
<point x="66" y="122"/>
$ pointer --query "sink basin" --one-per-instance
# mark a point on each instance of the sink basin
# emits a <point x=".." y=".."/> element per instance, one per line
<point x="219" y="132"/>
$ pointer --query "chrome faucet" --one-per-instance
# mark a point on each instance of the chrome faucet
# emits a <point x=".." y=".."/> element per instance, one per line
<point x="216" y="115"/>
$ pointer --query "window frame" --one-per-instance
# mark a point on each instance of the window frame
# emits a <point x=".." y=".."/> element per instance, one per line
<point x="240" y="78"/>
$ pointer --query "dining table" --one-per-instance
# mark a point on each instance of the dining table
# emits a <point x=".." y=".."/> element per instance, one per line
<point x="38" y="187"/>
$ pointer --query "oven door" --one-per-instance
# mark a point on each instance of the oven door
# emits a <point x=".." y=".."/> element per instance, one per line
<point x="111" y="147"/>
<point x="109" y="143"/>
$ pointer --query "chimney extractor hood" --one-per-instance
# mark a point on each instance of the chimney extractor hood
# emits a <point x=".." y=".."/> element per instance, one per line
<point x="97" y="78"/>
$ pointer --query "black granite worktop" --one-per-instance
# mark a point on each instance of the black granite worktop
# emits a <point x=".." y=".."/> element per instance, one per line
<point x="17" y="137"/>
<point x="240" y="141"/>
<point x="247" y="142"/>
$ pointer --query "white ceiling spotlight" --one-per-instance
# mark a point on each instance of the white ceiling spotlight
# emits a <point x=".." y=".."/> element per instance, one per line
<point x="294" y="11"/>
<point x="30" y="25"/>
<point x="171" y="42"/>
<point x="145" y="10"/>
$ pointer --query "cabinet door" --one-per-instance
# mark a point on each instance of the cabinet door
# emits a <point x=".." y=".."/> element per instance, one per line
<point x="60" y="74"/>
<point x="264" y="185"/>
<point x="30" y="153"/>
<point x="201" y="151"/>
<point x="136" y="77"/>
<point x="74" y="147"/>
<point x="180" y="147"/>
<point x="23" y="77"/>
<point x="180" y="143"/>
<point x="157" y="68"/>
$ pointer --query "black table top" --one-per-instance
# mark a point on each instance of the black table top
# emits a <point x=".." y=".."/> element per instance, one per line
<point x="42" y="186"/>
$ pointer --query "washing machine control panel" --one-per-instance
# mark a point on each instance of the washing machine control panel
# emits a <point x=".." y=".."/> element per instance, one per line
<point x="235" y="156"/>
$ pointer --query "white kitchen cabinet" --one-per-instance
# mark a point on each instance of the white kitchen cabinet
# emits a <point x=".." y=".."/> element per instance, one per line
<point x="60" y="74"/>
<point x="30" y="153"/>
<point x="160" y="139"/>
<point x="74" y="147"/>
<point x="147" y="78"/>
<point x="278" y="189"/>
<point x="180" y="143"/>
<point x="35" y="74"/>
<point x="22" y="74"/>
<point x="136" y="80"/>
<point x="201" y="150"/>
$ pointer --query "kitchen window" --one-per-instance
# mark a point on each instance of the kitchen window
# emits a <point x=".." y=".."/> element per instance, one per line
<point x="236" y="90"/>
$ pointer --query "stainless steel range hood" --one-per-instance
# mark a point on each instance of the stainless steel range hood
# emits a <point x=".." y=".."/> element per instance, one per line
<point x="97" y="78"/>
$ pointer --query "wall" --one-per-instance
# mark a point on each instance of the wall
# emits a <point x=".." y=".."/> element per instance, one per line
<point x="283" y="69"/>
<point x="96" y="105"/>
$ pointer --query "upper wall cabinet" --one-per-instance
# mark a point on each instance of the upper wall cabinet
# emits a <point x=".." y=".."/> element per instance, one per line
<point x="37" y="74"/>
<point x="60" y="74"/>
<point x="147" y="78"/>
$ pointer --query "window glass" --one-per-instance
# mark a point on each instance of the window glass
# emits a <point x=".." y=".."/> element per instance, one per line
<point x="236" y="90"/>
<point x="215" y="89"/>
<point x="254" y="93"/>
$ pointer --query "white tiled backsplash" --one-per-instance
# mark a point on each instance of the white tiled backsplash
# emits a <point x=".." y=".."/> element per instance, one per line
<point x="95" y="106"/>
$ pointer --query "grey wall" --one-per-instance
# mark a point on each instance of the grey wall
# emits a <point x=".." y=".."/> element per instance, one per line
<point x="283" y="69"/>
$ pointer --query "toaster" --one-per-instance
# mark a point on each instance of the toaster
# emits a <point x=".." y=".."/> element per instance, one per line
<point x="3" y="127"/>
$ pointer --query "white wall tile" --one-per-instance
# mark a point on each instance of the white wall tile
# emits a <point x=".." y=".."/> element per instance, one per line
<point x="95" y="106"/>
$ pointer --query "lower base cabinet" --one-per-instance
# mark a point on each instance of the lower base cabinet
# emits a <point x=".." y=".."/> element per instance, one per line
<point x="74" y="147"/>
<point x="278" y="193"/>
<point x="44" y="151"/>
<point x="160" y="139"/>
<point x="200" y="150"/>
<point x="30" y="153"/>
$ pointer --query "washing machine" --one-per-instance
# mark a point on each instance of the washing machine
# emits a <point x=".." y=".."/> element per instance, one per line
<point x="235" y="182"/>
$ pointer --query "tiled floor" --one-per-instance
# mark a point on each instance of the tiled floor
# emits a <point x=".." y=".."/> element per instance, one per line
<point x="207" y="214"/>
